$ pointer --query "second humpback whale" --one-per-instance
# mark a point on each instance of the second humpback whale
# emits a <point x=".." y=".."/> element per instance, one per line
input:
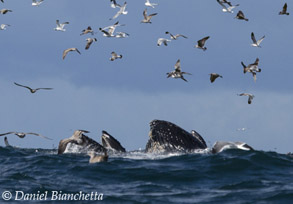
<point x="110" y="143"/>
<point x="167" y="137"/>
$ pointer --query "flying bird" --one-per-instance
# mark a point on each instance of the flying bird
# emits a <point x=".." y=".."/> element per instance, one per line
<point x="3" y="26"/>
<point x="114" y="4"/>
<point x="111" y="29"/>
<point x="177" y="72"/>
<point x="250" y="96"/>
<point x="121" y="35"/>
<point x="226" y="2"/>
<point x="227" y="9"/>
<point x="162" y="40"/>
<point x="60" y="26"/>
<point x="201" y="42"/>
<point x="22" y="134"/>
<point x="213" y="76"/>
<point x="115" y="56"/>
<point x="284" y="11"/>
<point x="148" y="3"/>
<point x="147" y="18"/>
<point x="256" y="43"/>
<point x="174" y="37"/>
<point x="121" y="11"/>
<point x="32" y="90"/>
<point x="87" y="30"/>
<point x="37" y="3"/>
<point x="240" y="16"/>
<point x="89" y="42"/>
<point x="69" y="50"/>
<point x="252" y="68"/>
<point x="2" y="1"/>
<point x="4" y="11"/>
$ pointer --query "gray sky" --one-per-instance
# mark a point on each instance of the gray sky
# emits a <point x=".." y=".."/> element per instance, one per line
<point x="122" y="97"/>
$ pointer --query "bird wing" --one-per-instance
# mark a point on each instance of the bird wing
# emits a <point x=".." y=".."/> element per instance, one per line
<point x="183" y="78"/>
<point x="77" y="51"/>
<point x="178" y="35"/>
<point x="58" y="23"/>
<point x="114" y="54"/>
<point x="178" y="66"/>
<point x="89" y="42"/>
<point x="221" y="3"/>
<point x="145" y="15"/>
<point x="253" y="38"/>
<point x="65" y="53"/>
<point x="22" y="86"/>
<point x="153" y="14"/>
<point x="285" y="8"/>
<point x="36" y="134"/>
<point x="186" y="73"/>
<point x="260" y="40"/>
<point x="7" y="133"/>
<point x="202" y="41"/>
<point x="117" y="14"/>
<point x="44" y="88"/>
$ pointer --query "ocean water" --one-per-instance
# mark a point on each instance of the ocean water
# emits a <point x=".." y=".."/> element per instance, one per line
<point x="232" y="176"/>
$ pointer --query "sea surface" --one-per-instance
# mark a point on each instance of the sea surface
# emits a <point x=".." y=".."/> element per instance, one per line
<point x="232" y="176"/>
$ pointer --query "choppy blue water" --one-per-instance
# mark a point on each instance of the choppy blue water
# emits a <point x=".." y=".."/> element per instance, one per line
<point x="233" y="176"/>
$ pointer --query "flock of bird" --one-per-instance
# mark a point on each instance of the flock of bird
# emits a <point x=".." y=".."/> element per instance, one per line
<point x="109" y="31"/>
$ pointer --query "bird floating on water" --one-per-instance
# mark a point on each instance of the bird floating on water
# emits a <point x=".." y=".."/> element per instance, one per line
<point x="37" y="3"/>
<point x="60" y="26"/>
<point x="177" y="73"/>
<point x="201" y="42"/>
<point x="162" y="40"/>
<point x="121" y="11"/>
<point x="240" y="16"/>
<point x="227" y="9"/>
<point x="115" y="56"/>
<point x="3" y="26"/>
<point x="174" y="37"/>
<point x="32" y="90"/>
<point x="147" y="18"/>
<point x="4" y="11"/>
<point x="89" y="42"/>
<point x="256" y="43"/>
<point x="250" y="96"/>
<point x="252" y="68"/>
<point x="213" y="76"/>
<point x="23" y="134"/>
<point x="284" y="11"/>
<point x="149" y="4"/>
<point x="69" y="50"/>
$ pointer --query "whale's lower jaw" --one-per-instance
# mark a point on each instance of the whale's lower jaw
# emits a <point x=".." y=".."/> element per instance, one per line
<point x="167" y="137"/>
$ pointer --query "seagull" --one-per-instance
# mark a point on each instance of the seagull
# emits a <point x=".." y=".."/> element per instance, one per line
<point x="37" y="3"/>
<point x="22" y="134"/>
<point x="177" y="72"/>
<point x="32" y="90"/>
<point x="114" y="4"/>
<point x="240" y="16"/>
<point x="226" y="2"/>
<point x="148" y="3"/>
<point x="200" y="43"/>
<point x="3" y="26"/>
<point x="121" y="35"/>
<point x="147" y="18"/>
<point x="4" y="11"/>
<point x="174" y="37"/>
<point x="89" y="42"/>
<point x="69" y="50"/>
<point x="284" y="11"/>
<point x="213" y="76"/>
<point x="97" y="158"/>
<point x="121" y="11"/>
<point x="250" y="96"/>
<point x="111" y="29"/>
<point x="253" y="68"/>
<point x="87" y="30"/>
<point x="163" y="40"/>
<point x="256" y="43"/>
<point x="60" y="26"/>
<point x="115" y="56"/>
<point x="227" y="9"/>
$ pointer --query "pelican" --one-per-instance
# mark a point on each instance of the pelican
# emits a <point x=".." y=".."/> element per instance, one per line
<point x="177" y="72"/>
<point x="32" y="90"/>
<point x="250" y="96"/>
<point x="111" y="29"/>
<point x="121" y="11"/>
<point x="60" y="26"/>
<point x="97" y="158"/>
<point x="115" y="56"/>
<point x="23" y="134"/>
<point x="284" y="11"/>
<point x="256" y="43"/>
<point x="227" y="9"/>
<point x="87" y="30"/>
<point x="89" y="42"/>
<point x="201" y="42"/>
<point x="69" y="50"/>
<point x="174" y="37"/>
<point x="4" y="11"/>
<point x="37" y="3"/>
<point x="240" y="16"/>
<point x="252" y="68"/>
<point x="147" y="18"/>
<point x="213" y="76"/>
<point x="3" y="26"/>
<point x="148" y="3"/>
<point x="163" y="40"/>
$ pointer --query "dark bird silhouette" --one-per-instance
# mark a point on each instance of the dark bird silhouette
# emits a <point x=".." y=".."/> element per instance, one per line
<point x="31" y="90"/>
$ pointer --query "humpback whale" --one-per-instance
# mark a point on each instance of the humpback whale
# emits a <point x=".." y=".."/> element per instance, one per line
<point x="168" y="137"/>
<point x="81" y="142"/>
<point x="221" y="146"/>
<point x="110" y="143"/>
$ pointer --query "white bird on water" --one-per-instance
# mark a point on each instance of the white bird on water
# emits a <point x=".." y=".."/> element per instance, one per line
<point x="60" y="26"/>
<point x="149" y="4"/>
